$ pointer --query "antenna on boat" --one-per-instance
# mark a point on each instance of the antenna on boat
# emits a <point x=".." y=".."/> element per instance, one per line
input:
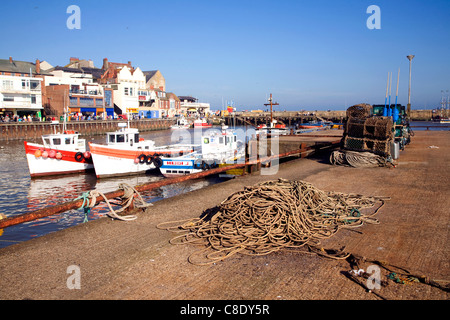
<point x="396" y="94"/>
<point x="385" y="113"/>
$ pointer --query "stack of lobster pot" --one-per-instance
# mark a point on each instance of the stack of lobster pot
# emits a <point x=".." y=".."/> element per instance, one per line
<point x="365" y="132"/>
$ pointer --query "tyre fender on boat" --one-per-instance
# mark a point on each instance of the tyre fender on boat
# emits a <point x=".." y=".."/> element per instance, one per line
<point x="157" y="162"/>
<point x="142" y="158"/>
<point x="205" y="166"/>
<point x="198" y="164"/>
<point x="149" y="160"/>
<point x="79" y="156"/>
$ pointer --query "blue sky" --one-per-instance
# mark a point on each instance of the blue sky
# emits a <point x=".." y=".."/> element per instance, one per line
<point x="310" y="55"/>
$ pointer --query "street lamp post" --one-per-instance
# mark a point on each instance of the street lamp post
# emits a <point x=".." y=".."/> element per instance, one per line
<point x="410" y="57"/>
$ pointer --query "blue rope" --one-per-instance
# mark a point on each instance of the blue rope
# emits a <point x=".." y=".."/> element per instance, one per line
<point x="87" y="209"/>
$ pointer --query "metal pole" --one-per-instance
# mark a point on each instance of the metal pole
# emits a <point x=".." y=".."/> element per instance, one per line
<point x="410" y="57"/>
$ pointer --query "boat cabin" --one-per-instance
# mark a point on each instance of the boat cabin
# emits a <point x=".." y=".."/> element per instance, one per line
<point x="219" y="142"/>
<point x="66" y="141"/>
<point x="127" y="137"/>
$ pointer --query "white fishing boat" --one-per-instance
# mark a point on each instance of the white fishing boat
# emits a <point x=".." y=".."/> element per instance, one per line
<point x="182" y="123"/>
<point x="59" y="153"/>
<point x="273" y="129"/>
<point x="125" y="153"/>
<point x="216" y="148"/>
<point x="202" y="123"/>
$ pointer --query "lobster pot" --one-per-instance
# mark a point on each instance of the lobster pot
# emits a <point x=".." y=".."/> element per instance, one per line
<point x="355" y="144"/>
<point x="359" y="111"/>
<point x="354" y="128"/>
<point x="378" y="128"/>
<point x="380" y="147"/>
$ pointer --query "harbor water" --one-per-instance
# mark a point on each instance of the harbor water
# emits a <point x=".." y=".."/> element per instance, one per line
<point x="19" y="194"/>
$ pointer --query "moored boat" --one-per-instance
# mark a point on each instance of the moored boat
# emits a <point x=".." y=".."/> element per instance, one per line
<point x="182" y="123"/>
<point x="202" y="123"/>
<point x="125" y="153"/>
<point x="216" y="148"/>
<point x="60" y="153"/>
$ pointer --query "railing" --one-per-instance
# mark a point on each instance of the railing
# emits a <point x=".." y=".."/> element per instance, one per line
<point x="437" y="127"/>
<point x="34" y="130"/>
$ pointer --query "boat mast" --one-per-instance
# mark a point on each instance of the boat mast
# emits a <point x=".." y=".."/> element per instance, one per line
<point x="271" y="104"/>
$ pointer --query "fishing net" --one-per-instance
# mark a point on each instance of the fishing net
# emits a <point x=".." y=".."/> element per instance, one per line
<point x="273" y="216"/>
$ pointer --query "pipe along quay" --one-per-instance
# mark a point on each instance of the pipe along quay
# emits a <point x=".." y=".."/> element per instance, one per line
<point x="137" y="260"/>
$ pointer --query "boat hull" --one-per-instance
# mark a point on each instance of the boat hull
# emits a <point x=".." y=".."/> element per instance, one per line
<point x="110" y="162"/>
<point x="40" y="166"/>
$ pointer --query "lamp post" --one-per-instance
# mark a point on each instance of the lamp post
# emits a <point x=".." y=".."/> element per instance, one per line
<point x="410" y="57"/>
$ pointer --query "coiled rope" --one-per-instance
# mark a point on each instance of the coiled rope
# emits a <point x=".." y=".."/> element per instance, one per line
<point x="130" y="195"/>
<point x="358" y="159"/>
<point x="273" y="216"/>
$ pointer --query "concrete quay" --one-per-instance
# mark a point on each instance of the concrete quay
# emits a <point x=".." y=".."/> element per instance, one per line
<point x="134" y="260"/>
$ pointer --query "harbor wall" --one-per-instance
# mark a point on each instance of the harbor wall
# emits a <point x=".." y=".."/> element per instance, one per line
<point x="34" y="130"/>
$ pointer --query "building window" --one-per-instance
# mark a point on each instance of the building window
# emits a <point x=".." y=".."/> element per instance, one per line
<point x="87" y="102"/>
<point x="34" y="85"/>
<point x="131" y="91"/>
<point x="125" y="91"/>
<point x="8" y="98"/>
<point x="25" y="84"/>
<point x="7" y="84"/>
<point x="33" y="99"/>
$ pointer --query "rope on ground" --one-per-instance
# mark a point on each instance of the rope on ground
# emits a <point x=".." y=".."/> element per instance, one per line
<point x="272" y="216"/>
<point x="131" y="195"/>
<point x="397" y="274"/>
<point x="358" y="159"/>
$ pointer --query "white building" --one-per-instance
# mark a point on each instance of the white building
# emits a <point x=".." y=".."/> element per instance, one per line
<point x="191" y="107"/>
<point x="20" y="95"/>
<point x="126" y="87"/>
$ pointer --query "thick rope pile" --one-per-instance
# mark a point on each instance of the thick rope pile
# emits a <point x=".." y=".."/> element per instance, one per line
<point x="273" y="216"/>
<point x="358" y="159"/>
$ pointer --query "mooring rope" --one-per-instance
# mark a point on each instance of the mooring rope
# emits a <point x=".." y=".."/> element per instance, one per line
<point x="130" y="195"/>
<point x="273" y="216"/>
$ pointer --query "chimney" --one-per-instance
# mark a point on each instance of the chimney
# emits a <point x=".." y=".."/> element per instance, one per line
<point x="38" y="66"/>
<point x="105" y="64"/>
<point x="10" y="59"/>
<point x="129" y="63"/>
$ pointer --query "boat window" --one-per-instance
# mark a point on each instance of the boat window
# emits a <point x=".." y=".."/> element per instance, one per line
<point x="68" y="141"/>
<point x="186" y="172"/>
<point x="146" y="148"/>
<point x="136" y="137"/>
<point x="205" y="140"/>
<point x="112" y="138"/>
<point x="221" y="140"/>
<point x="56" y="141"/>
<point x="120" y="138"/>
<point x="46" y="140"/>
<point x="234" y="138"/>
<point x="228" y="140"/>
<point x="169" y="171"/>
